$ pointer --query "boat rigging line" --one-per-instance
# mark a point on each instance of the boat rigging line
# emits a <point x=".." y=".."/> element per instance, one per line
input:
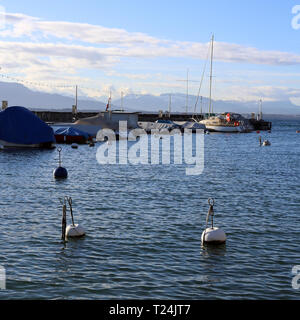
<point x="203" y="73"/>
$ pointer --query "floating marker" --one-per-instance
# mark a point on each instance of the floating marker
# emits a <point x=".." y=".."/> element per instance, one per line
<point x="92" y="143"/>
<point x="60" y="172"/>
<point x="266" y="143"/>
<point x="212" y="235"/>
<point x="74" y="146"/>
<point x="73" y="230"/>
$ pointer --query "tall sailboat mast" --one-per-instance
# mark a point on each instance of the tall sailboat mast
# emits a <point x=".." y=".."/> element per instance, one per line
<point x="122" y="101"/>
<point x="187" y="91"/>
<point x="260" y="110"/>
<point x="201" y="112"/>
<point x="76" y="97"/>
<point x="211" y="68"/>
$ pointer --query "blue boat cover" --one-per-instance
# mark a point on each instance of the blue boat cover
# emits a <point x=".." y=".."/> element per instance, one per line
<point x="71" y="132"/>
<point x="21" y="126"/>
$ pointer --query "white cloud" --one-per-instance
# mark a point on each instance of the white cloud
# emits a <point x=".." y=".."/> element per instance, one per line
<point x="121" y="43"/>
<point x="59" y="51"/>
<point x="254" y="93"/>
<point x="23" y="25"/>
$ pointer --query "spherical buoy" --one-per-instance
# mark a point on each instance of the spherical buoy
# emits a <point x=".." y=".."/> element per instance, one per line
<point x="60" y="173"/>
<point x="212" y="235"/>
<point x="74" y="146"/>
<point x="75" y="231"/>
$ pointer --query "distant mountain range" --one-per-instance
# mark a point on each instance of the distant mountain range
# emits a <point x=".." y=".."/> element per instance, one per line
<point x="178" y="104"/>
<point x="18" y="95"/>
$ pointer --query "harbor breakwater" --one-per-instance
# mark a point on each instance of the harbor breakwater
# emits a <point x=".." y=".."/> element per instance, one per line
<point x="67" y="116"/>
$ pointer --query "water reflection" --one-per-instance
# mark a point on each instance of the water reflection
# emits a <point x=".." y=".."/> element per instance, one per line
<point x="211" y="250"/>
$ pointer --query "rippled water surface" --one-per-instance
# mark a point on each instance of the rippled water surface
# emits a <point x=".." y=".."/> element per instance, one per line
<point x="144" y="223"/>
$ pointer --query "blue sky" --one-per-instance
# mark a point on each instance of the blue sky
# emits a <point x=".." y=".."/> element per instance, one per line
<point x="250" y="22"/>
<point x="146" y="46"/>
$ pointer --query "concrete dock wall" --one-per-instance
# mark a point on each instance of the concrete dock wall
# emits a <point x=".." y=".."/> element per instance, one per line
<point x="57" y="116"/>
<point x="64" y="116"/>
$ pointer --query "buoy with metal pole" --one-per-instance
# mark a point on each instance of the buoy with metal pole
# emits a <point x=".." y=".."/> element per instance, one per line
<point x="64" y="221"/>
<point x="60" y="172"/>
<point x="73" y="230"/>
<point x="212" y="235"/>
<point x="266" y="143"/>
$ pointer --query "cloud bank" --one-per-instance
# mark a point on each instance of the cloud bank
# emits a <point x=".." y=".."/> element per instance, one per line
<point x="121" y="43"/>
<point x="57" y="50"/>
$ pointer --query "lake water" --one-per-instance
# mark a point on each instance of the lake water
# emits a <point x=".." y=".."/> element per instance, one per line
<point x="144" y="223"/>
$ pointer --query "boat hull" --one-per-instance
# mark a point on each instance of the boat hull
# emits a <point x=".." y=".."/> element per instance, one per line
<point x="70" y="139"/>
<point x="223" y="129"/>
<point x="8" y="145"/>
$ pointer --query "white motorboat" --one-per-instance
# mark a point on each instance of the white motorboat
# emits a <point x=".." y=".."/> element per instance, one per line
<point x="227" y="122"/>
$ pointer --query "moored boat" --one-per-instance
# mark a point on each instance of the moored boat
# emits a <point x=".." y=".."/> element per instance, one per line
<point x="228" y="122"/>
<point x="20" y="128"/>
<point x="106" y="120"/>
<point x="71" y="135"/>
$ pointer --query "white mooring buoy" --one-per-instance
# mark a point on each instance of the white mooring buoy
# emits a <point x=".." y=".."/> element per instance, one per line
<point x="266" y="143"/>
<point x="73" y="230"/>
<point x="212" y="235"/>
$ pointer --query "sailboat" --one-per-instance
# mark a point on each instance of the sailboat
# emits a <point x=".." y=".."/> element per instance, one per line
<point x="108" y="119"/>
<point x="225" y="122"/>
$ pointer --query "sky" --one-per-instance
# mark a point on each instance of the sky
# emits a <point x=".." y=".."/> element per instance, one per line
<point x="148" y="47"/>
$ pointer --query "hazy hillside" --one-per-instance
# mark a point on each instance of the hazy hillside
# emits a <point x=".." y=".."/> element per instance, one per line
<point x="17" y="94"/>
<point x="178" y="104"/>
